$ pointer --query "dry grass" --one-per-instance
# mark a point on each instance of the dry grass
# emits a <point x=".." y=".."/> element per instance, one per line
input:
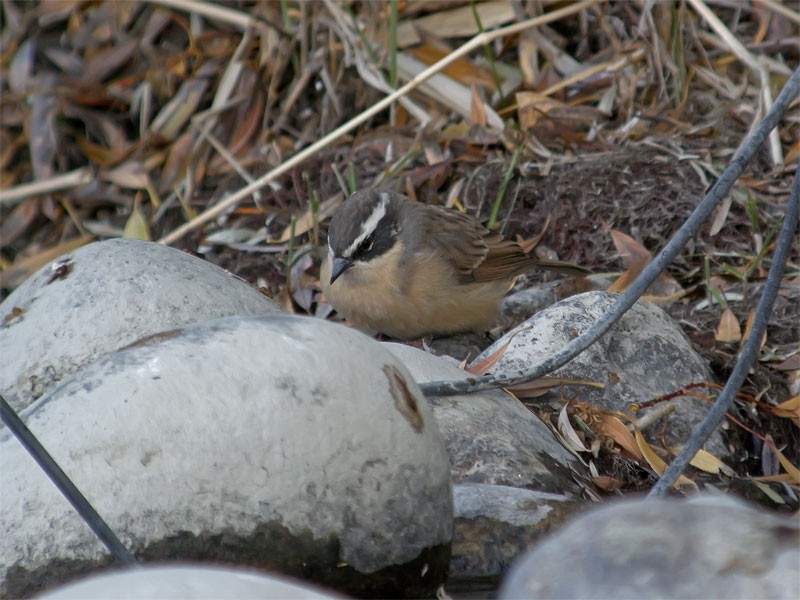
<point x="135" y="118"/>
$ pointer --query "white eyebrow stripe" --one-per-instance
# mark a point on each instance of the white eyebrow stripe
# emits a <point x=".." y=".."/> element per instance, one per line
<point x="368" y="226"/>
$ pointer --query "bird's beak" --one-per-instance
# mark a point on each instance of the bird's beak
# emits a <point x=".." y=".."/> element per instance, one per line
<point x="339" y="266"/>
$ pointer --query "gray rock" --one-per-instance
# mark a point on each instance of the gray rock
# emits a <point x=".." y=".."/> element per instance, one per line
<point x="102" y="297"/>
<point x="712" y="547"/>
<point x="644" y="356"/>
<point x="281" y="442"/>
<point x="185" y="581"/>
<point x="529" y="300"/>
<point x="491" y="437"/>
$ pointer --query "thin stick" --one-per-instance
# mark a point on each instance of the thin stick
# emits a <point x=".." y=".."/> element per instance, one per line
<point x="17" y="194"/>
<point x="780" y="9"/>
<point x="475" y="42"/>
<point x="213" y="11"/>
<point x="742" y="53"/>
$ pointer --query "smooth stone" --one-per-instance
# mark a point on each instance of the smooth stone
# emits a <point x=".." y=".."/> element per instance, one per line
<point x="491" y="437"/>
<point x="644" y="356"/>
<point x="285" y="443"/>
<point x="102" y="297"/>
<point x="708" y="547"/>
<point x="185" y="581"/>
<point x="513" y="479"/>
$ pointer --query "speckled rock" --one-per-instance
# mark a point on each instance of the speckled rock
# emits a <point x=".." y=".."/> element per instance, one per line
<point x="709" y="547"/>
<point x="185" y="581"/>
<point x="644" y="356"/>
<point x="102" y="297"/>
<point x="286" y="443"/>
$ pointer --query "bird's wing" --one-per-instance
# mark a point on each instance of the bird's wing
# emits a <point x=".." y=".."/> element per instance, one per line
<point x="504" y="259"/>
<point x="458" y="239"/>
<point x="477" y="254"/>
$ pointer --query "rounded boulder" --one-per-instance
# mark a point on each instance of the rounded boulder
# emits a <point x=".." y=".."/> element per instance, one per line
<point x="285" y="443"/>
<point x="102" y="297"/>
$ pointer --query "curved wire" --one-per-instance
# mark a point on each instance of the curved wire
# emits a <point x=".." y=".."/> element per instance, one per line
<point x="64" y="484"/>
<point x="628" y="298"/>
<point x="748" y="354"/>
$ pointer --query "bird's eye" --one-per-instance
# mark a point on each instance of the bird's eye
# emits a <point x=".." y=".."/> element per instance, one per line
<point x="366" y="245"/>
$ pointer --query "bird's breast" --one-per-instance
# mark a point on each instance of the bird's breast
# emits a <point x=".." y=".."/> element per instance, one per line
<point x="412" y="299"/>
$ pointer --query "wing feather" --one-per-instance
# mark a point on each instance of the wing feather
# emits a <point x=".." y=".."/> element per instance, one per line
<point x="475" y="253"/>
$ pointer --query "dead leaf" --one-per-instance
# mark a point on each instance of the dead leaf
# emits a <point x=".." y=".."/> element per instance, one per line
<point x="528" y="60"/>
<point x="624" y="281"/>
<point x="21" y="71"/>
<point x="790" y="364"/>
<point x="789" y="409"/>
<point x="720" y="216"/>
<point x="751" y="316"/>
<point x="793" y="471"/>
<point x="728" y="330"/>
<point x="484" y="366"/>
<point x="169" y="122"/>
<point x="462" y="70"/>
<point x="656" y="463"/>
<point x="302" y="284"/>
<point x="445" y="90"/>
<point x="607" y="484"/>
<point x="17" y="223"/>
<point x="477" y="108"/>
<point x="44" y="136"/>
<point x="130" y="175"/>
<point x="529" y="244"/>
<point x="460" y="22"/>
<point x="101" y="63"/>
<point x="611" y="427"/>
<point x="539" y="387"/>
<point x="568" y="432"/>
<point x="630" y="251"/>
<point x="768" y="492"/>
<point x="177" y="162"/>
<point x="705" y="461"/>
<point x="636" y="257"/>
<point x="532" y="107"/>
<point x="99" y="155"/>
<point x="249" y="115"/>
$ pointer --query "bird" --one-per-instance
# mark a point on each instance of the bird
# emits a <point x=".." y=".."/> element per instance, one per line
<point x="410" y="270"/>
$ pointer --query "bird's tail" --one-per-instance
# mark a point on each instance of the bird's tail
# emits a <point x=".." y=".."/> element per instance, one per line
<point x="562" y="267"/>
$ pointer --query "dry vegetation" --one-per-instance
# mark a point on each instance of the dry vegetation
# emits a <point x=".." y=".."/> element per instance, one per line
<point x="138" y="118"/>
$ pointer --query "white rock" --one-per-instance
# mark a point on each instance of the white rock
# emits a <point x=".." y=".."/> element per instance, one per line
<point x="102" y="297"/>
<point x="278" y="441"/>
<point x="185" y="581"/>
<point x="713" y="547"/>
<point x="644" y="356"/>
